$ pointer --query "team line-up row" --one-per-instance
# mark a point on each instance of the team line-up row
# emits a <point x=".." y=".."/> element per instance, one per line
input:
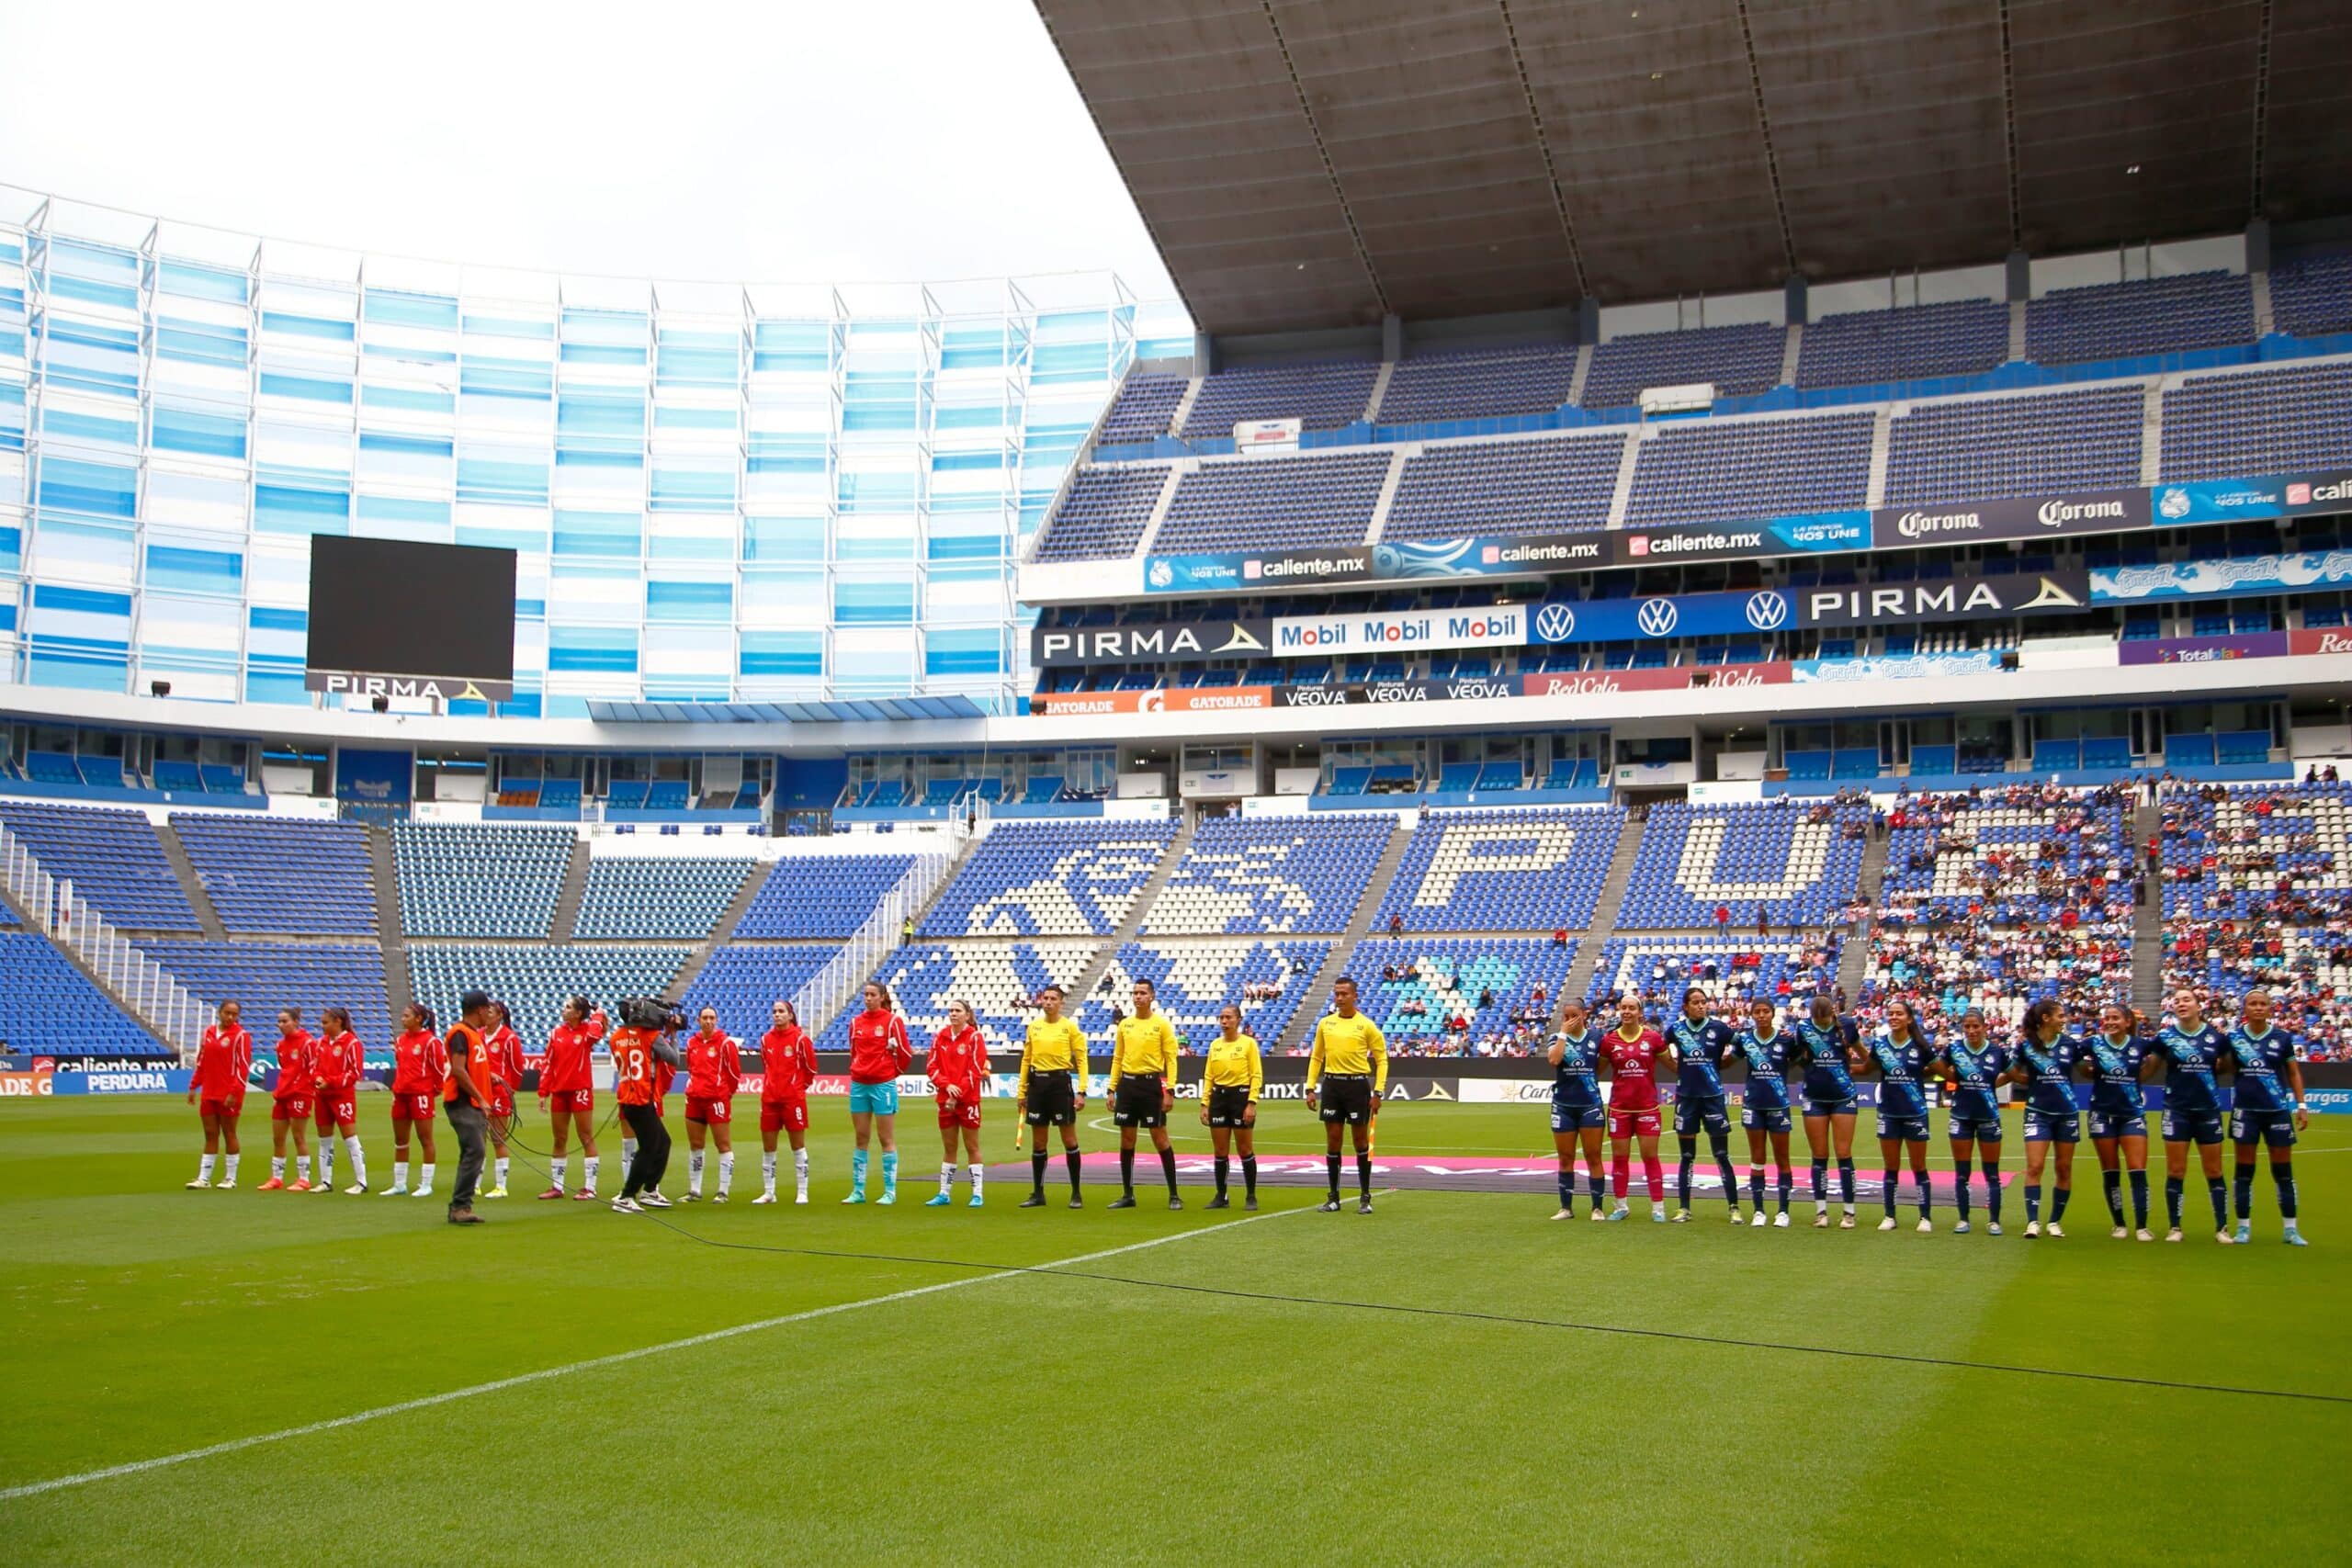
<point x="472" y="1074"/>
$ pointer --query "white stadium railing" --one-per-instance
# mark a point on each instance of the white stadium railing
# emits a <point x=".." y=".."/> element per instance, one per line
<point x="831" y="989"/>
<point x="152" y="992"/>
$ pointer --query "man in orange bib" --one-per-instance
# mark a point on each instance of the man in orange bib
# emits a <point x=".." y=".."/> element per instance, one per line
<point x="467" y="1098"/>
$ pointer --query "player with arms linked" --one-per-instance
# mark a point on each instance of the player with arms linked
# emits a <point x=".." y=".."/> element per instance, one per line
<point x="2045" y="1063"/>
<point x="2116" y="1060"/>
<point x="1973" y="1067"/>
<point x="1767" y="1050"/>
<point x="1830" y="1047"/>
<point x="1577" y="1109"/>
<point x="2264" y="1067"/>
<point x="2191" y="1047"/>
<point x="1699" y="1044"/>
<point x="1900" y="1055"/>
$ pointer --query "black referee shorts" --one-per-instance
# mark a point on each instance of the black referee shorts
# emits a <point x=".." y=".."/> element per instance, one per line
<point x="1053" y="1100"/>
<point x="1138" y="1103"/>
<point x="1347" y="1097"/>
<point x="1228" y="1105"/>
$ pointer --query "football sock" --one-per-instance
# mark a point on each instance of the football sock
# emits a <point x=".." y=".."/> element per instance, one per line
<point x="1821" y="1182"/>
<point x="229" y="1167"/>
<point x="1891" y="1179"/>
<point x="326" y="1161"/>
<point x="1755" y="1186"/>
<point x="1655" y="1174"/>
<point x="1037" y="1172"/>
<point x="1168" y="1168"/>
<point x="2033" y="1205"/>
<point x="1723" y="1169"/>
<point x="557" y="1167"/>
<point x="1249" y="1174"/>
<point x="2245" y="1192"/>
<point x="2282" y="1174"/>
<point x="1682" y="1175"/>
<point x="2140" y="1199"/>
<point x="976" y="1180"/>
<point x="1127" y="1172"/>
<point x="1568" y="1189"/>
<point x="857" y="1171"/>
<point x="693" y="1172"/>
<point x="1222" y="1164"/>
<point x="947" y="1177"/>
<point x="1599" y="1183"/>
<point x="767" y="1170"/>
<point x="588" y="1173"/>
<point x="400" y="1173"/>
<point x="1071" y="1162"/>
<point x="1960" y="1170"/>
<point x="301" y="1167"/>
<point x="204" y="1168"/>
<point x="2215" y="1188"/>
<point x="358" y="1160"/>
<point x="1363" y="1175"/>
<point x="1993" y="1186"/>
<point x="628" y="1157"/>
<point x="425" y="1174"/>
<point x="1845" y="1182"/>
<point x="1926" y="1192"/>
<point x="501" y="1170"/>
<point x="2112" y="1180"/>
<point x="2058" y="1197"/>
<point x="1621" y="1172"/>
<point x="1331" y="1172"/>
<point x="278" y="1173"/>
<point x="726" y="1172"/>
<point x="2174" y="1186"/>
<point x="1788" y="1181"/>
<point x="800" y="1169"/>
<point x="890" y="1171"/>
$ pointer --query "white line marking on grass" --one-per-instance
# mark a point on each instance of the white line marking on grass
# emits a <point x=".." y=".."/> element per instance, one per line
<point x="235" y="1445"/>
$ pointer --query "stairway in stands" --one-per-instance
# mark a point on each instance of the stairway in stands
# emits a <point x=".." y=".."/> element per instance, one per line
<point x="720" y="934"/>
<point x="1311" y="1005"/>
<point x="392" y="936"/>
<point x="2147" y="917"/>
<point x="1854" y="957"/>
<point x="575" y="888"/>
<point x="1131" y="929"/>
<point x="208" y="918"/>
<point x="65" y="949"/>
<point x="1604" y="912"/>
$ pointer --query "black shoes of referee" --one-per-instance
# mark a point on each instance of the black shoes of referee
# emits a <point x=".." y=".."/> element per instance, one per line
<point x="1331" y="1206"/>
<point x="1035" y="1200"/>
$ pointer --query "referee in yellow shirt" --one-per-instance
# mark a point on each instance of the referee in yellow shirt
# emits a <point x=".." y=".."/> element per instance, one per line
<point x="1143" y="1087"/>
<point x="1231" y="1083"/>
<point x="1350" y="1063"/>
<point x="1052" y="1092"/>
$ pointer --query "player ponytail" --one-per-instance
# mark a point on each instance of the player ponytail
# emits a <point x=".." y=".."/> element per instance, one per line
<point x="2047" y="1009"/>
<point x="336" y="1021"/>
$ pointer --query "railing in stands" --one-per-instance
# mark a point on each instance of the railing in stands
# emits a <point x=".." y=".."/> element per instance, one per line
<point x="152" y="992"/>
<point x="844" y="975"/>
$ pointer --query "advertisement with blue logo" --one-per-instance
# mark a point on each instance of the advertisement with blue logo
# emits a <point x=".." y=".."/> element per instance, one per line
<point x="2290" y="573"/>
<point x="2268" y="495"/>
<point x="1764" y="611"/>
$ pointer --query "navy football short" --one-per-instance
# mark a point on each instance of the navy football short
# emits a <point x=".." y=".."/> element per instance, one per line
<point x="1903" y="1129"/>
<point x="2275" y="1128"/>
<point x="2119" y="1125"/>
<point x="1977" y="1127"/>
<point x="1764" y="1118"/>
<point x="1690" y="1115"/>
<point x="2053" y="1127"/>
<point x="1814" y="1107"/>
<point x="1577" y="1118"/>
<point x="2186" y="1126"/>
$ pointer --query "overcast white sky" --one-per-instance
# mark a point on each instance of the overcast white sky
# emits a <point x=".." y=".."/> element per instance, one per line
<point x="859" y="141"/>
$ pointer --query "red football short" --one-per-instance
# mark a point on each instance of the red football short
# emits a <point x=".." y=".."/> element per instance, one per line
<point x="784" y="1115"/>
<point x="502" y="1102"/>
<point x="221" y="1106"/>
<point x="717" y="1111"/>
<point x="1634" y="1124"/>
<point x="573" y="1100"/>
<point x="413" y="1107"/>
<point x="966" y="1113"/>
<point x="337" y="1108"/>
<point x="291" y="1107"/>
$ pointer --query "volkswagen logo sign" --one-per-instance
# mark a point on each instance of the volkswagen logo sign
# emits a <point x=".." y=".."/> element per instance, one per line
<point x="1658" y="617"/>
<point x="1767" y="611"/>
<point x="1556" y="623"/>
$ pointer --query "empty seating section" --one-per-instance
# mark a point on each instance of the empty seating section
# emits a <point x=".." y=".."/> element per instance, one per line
<point x="814" y="895"/>
<point x="671" y="897"/>
<point x="1980" y="449"/>
<point x="1416" y="990"/>
<point x="1142" y="409"/>
<point x="273" y="874"/>
<point x="1252" y="502"/>
<point x="1536" y="869"/>
<point x="1051" y="879"/>
<point x="1270" y="874"/>
<point x="113" y="859"/>
<point x="1506" y="486"/>
<point x="744" y="982"/>
<point x="1730" y="969"/>
<point x="1802" y="864"/>
<point x="1700" y="471"/>
<point x="2157" y="315"/>
<point x="265" y="975"/>
<point x="475" y="879"/>
<point x="1191" y="980"/>
<point x="1321" y="397"/>
<point x="49" y="1005"/>
<point x="1738" y="360"/>
<point x="1860" y="348"/>
<point x="533" y="981"/>
<point x="2312" y="296"/>
<point x="178" y="776"/>
<point x="999" y="979"/>
<point x="2269" y="421"/>
<point x="1493" y="385"/>
<point x="1103" y="513"/>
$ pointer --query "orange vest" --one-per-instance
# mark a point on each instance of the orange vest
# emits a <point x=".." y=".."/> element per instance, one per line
<point x="478" y="1065"/>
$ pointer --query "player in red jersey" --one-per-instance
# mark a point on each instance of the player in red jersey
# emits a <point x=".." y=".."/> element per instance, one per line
<point x="338" y="1066"/>
<point x="958" y="1070"/>
<point x="878" y="1052"/>
<point x="506" y="1060"/>
<point x="419" y="1064"/>
<point x="714" y="1072"/>
<point x="568" y="1094"/>
<point x="1632" y="1050"/>
<point x="290" y="1104"/>
<point x="217" y="1089"/>
<point x="787" y="1066"/>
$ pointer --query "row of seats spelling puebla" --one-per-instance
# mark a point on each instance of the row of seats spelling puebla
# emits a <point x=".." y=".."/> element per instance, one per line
<point x="1461" y="997"/>
<point x="113" y="858"/>
<point x="673" y="897"/>
<point x="1784" y="970"/>
<point x="535" y="981"/>
<point x="1799" y="861"/>
<point x="1271" y="873"/>
<point x="1051" y="879"/>
<point x="1193" y="980"/>
<point x="480" y="879"/>
<point x="273" y="873"/>
<point x="999" y="980"/>
<point x="1534" y="869"/>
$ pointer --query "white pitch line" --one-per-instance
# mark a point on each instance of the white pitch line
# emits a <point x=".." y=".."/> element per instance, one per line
<point x="235" y="1445"/>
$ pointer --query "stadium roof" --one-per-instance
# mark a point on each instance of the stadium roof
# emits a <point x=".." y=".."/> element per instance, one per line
<point x="1311" y="164"/>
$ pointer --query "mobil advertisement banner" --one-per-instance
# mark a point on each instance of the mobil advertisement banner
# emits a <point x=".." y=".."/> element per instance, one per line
<point x="1491" y="626"/>
<point x="1376" y="694"/>
<point x="1796" y="536"/>
<point x="2292" y="573"/>
<point x="1182" y="699"/>
<point x="1963" y="597"/>
<point x="2268" y="495"/>
<point x="2014" y="517"/>
<point x="1079" y="648"/>
<point x="1608" y="683"/>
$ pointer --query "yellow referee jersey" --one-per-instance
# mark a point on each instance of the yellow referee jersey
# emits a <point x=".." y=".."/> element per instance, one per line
<point x="1348" y="1046"/>
<point x="1143" y="1046"/>
<point x="1233" y="1063"/>
<point x="1055" y="1047"/>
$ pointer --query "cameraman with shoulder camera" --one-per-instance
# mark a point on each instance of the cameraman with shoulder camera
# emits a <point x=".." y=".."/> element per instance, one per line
<point x="642" y="1047"/>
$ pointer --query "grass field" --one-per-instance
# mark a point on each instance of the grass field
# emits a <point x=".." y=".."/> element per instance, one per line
<point x="1279" y="1388"/>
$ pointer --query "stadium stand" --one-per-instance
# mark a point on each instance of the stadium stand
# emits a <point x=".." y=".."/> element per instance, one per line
<point x="2312" y="296"/>
<point x="820" y="898"/>
<point x="113" y="858"/>
<point x="1499" y="992"/>
<point x="1731" y="969"/>
<point x="1494" y="384"/>
<point x="49" y="1002"/>
<point x="268" y="874"/>
<point x="1981" y="449"/>
<point x="2269" y="421"/>
<point x="1192" y="980"/>
<point x="1142" y="409"/>
<point x="1287" y="873"/>
<point x="1738" y="360"/>
<point x="266" y="976"/>
<point x="1531" y="869"/>
<point x="533" y="981"/>
<point x="1103" y="513"/>
<point x="1913" y="342"/>
<point x="1799" y="863"/>
<point x="1321" y="397"/>
<point x="1001" y="980"/>
<point x="1506" y="486"/>
<point x="668" y="897"/>
<point x="2156" y="315"/>
<point x="1300" y="500"/>
<point x="742" y="982"/>
<point x="472" y="879"/>
<point x="1702" y="471"/>
<point x="1049" y="879"/>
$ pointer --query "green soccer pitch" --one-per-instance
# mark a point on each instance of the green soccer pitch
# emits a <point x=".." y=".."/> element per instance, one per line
<point x="211" y="1377"/>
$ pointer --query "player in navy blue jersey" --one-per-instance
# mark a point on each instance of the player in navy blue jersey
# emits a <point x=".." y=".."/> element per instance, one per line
<point x="1767" y="1050"/>
<point x="2045" y="1063"/>
<point x="1973" y="1066"/>
<point x="2191" y="1047"/>
<point x="1577" y="1112"/>
<point x="1699" y="1042"/>
<point x="1830" y="1048"/>
<point x="2265" y="1070"/>
<point x="1899" y="1053"/>
<point x="2116" y="1060"/>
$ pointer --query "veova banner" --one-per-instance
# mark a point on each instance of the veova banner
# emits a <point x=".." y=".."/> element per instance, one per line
<point x="1378" y="693"/>
<point x="2013" y="517"/>
<point x="1492" y="625"/>
<point x="1066" y="647"/>
<point x="2288" y="573"/>
<point x="1962" y="598"/>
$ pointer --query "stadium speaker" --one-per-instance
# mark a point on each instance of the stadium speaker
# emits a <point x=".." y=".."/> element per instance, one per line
<point x="2009" y="658"/>
<point x="159" y="688"/>
<point x="381" y="704"/>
